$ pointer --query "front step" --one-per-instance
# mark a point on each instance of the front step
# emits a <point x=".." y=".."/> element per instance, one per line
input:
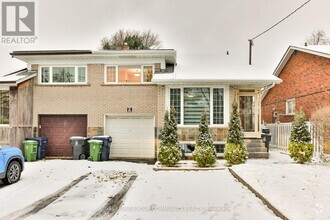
<point x="256" y="148"/>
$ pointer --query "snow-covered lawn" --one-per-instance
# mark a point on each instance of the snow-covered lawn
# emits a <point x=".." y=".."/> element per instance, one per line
<point x="298" y="191"/>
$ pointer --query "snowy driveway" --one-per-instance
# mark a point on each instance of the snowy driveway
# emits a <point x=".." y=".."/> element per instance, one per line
<point x="153" y="195"/>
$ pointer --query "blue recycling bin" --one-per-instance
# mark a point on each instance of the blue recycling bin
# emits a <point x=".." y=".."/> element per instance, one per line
<point x="107" y="140"/>
<point x="42" y="144"/>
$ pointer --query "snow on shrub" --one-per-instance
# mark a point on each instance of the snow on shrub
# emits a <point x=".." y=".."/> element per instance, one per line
<point x="204" y="154"/>
<point x="300" y="146"/>
<point x="235" y="151"/>
<point x="169" y="151"/>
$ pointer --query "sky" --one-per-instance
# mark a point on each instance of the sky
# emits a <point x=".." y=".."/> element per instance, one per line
<point x="188" y="26"/>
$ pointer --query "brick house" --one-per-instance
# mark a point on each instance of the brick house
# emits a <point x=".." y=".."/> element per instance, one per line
<point x="125" y="94"/>
<point x="305" y="72"/>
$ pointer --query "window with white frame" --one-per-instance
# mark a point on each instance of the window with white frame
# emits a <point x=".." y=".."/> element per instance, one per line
<point x="63" y="75"/>
<point x="290" y="106"/>
<point x="4" y="107"/>
<point x="189" y="103"/>
<point x="129" y="74"/>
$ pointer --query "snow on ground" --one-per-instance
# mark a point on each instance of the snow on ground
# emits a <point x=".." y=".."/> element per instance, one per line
<point x="42" y="178"/>
<point x="154" y="195"/>
<point x="191" y="195"/>
<point x="298" y="191"/>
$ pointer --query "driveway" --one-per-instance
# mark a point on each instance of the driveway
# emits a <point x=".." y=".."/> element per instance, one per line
<point x="153" y="195"/>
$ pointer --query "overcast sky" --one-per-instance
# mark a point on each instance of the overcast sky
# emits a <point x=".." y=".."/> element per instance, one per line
<point x="188" y="26"/>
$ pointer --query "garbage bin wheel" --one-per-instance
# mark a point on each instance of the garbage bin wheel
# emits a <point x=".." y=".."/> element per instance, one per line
<point x="82" y="157"/>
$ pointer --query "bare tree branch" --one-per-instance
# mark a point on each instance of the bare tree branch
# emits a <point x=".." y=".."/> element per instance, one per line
<point x="318" y="37"/>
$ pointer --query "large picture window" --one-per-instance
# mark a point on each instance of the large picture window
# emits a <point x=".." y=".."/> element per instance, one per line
<point x="196" y="100"/>
<point x="63" y="75"/>
<point x="189" y="103"/>
<point x="4" y="107"/>
<point x="129" y="74"/>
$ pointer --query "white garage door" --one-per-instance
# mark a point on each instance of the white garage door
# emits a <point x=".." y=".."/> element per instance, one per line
<point x="132" y="137"/>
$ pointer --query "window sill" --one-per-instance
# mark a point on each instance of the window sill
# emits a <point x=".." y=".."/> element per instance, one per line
<point x="63" y="85"/>
<point x="196" y="126"/>
<point x="4" y="126"/>
<point x="129" y="84"/>
<point x="289" y="114"/>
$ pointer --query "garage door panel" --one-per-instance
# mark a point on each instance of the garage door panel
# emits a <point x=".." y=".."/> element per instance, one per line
<point x="131" y="136"/>
<point x="59" y="129"/>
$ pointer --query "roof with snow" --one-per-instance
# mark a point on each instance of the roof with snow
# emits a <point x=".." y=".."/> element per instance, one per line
<point x="319" y="50"/>
<point x="15" y="78"/>
<point x="36" y="55"/>
<point x="216" y="68"/>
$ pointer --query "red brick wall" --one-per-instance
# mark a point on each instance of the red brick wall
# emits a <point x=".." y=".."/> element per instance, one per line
<point x="306" y="78"/>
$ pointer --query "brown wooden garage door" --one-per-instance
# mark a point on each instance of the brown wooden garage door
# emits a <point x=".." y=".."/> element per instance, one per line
<point x="59" y="129"/>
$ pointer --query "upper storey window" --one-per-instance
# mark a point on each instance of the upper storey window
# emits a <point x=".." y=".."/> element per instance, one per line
<point x="63" y="75"/>
<point x="129" y="74"/>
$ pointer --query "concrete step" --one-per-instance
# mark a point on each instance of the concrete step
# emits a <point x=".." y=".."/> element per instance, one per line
<point x="258" y="155"/>
<point x="257" y="142"/>
<point x="256" y="149"/>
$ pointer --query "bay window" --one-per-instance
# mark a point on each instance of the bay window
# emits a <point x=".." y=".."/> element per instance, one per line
<point x="189" y="103"/>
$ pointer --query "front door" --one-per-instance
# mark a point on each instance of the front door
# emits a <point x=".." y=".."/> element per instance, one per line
<point x="248" y="111"/>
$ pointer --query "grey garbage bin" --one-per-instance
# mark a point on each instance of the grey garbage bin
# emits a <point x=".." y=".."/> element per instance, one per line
<point x="79" y="147"/>
<point x="266" y="137"/>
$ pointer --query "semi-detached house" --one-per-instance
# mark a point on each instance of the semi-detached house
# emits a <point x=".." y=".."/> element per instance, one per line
<point x="125" y="94"/>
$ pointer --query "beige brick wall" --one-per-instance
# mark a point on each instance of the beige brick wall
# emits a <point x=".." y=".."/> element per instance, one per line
<point x="97" y="99"/>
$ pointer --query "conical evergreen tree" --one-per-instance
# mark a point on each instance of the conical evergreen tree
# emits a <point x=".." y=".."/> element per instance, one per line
<point x="235" y="150"/>
<point x="204" y="154"/>
<point x="235" y="132"/>
<point x="300" y="146"/>
<point x="169" y="151"/>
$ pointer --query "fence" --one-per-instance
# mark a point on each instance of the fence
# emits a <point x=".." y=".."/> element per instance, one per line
<point x="4" y="135"/>
<point x="281" y="135"/>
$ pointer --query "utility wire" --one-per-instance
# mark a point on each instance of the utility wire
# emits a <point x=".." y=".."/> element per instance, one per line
<point x="280" y="21"/>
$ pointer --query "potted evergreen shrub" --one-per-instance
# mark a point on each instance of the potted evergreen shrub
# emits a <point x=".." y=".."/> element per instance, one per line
<point x="204" y="154"/>
<point x="235" y="151"/>
<point x="169" y="151"/>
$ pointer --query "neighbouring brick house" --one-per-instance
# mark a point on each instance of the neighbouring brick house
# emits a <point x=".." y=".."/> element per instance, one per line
<point x="305" y="72"/>
<point x="125" y="94"/>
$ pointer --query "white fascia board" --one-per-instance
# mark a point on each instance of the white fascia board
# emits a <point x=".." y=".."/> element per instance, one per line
<point x="25" y="78"/>
<point x="106" y="61"/>
<point x="213" y="81"/>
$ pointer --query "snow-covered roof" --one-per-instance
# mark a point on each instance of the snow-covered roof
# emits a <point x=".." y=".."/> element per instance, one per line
<point x="319" y="50"/>
<point x="215" y="68"/>
<point x="36" y="55"/>
<point x="15" y="78"/>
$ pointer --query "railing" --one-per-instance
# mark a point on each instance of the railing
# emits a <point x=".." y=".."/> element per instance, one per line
<point x="4" y="135"/>
<point x="281" y="134"/>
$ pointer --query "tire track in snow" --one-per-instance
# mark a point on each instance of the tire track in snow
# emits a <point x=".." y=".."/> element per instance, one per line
<point x="112" y="206"/>
<point x="42" y="203"/>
